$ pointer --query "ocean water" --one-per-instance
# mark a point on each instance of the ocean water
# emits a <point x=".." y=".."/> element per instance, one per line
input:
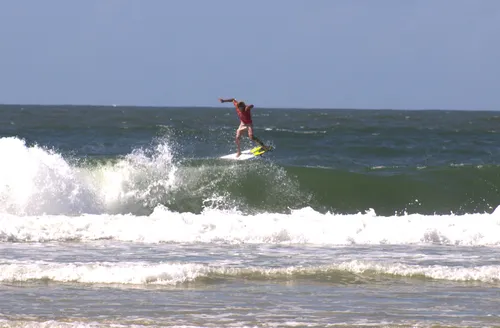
<point x="127" y="217"/>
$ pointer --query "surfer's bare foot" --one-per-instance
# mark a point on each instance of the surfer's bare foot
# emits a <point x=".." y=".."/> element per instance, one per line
<point x="238" y="154"/>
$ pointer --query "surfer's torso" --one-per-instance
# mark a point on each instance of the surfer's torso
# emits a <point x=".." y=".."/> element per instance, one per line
<point x="244" y="114"/>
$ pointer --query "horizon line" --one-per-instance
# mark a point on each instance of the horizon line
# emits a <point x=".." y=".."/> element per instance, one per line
<point x="265" y="107"/>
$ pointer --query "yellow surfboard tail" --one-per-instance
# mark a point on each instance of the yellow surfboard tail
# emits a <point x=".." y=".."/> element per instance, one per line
<point x="259" y="150"/>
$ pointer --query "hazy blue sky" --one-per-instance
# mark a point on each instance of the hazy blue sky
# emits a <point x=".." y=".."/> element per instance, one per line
<point x="276" y="53"/>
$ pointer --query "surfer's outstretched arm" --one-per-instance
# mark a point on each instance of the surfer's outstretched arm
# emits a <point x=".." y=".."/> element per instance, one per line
<point x="226" y="100"/>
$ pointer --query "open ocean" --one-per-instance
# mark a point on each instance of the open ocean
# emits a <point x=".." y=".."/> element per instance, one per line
<point x="126" y="217"/>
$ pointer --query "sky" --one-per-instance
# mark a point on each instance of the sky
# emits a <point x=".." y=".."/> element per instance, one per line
<point x="391" y="54"/>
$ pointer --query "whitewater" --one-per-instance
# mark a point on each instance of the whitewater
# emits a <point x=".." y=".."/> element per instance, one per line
<point x="47" y="198"/>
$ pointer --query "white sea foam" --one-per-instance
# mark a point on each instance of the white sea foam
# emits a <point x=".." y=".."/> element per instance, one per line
<point x="37" y="181"/>
<point x="102" y="273"/>
<point x="296" y="131"/>
<point x="304" y="226"/>
<point x="487" y="273"/>
<point x="138" y="273"/>
<point x="141" y="178"/>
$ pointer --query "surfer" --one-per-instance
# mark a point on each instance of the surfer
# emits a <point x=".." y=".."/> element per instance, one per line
<point x="245" y="117"/>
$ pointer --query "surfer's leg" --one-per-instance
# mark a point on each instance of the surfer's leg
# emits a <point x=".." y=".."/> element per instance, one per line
<point x="254" y="138"/>
<point x="238" y="135"/>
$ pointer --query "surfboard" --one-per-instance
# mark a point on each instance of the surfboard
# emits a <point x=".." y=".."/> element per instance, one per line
<point x="248" y="154"/>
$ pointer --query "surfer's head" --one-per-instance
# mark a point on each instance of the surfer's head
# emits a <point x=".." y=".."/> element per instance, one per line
<point x="241" y="105"/>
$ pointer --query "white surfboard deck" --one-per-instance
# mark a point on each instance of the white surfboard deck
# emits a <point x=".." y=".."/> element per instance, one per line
<point x="246" y="154"/>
